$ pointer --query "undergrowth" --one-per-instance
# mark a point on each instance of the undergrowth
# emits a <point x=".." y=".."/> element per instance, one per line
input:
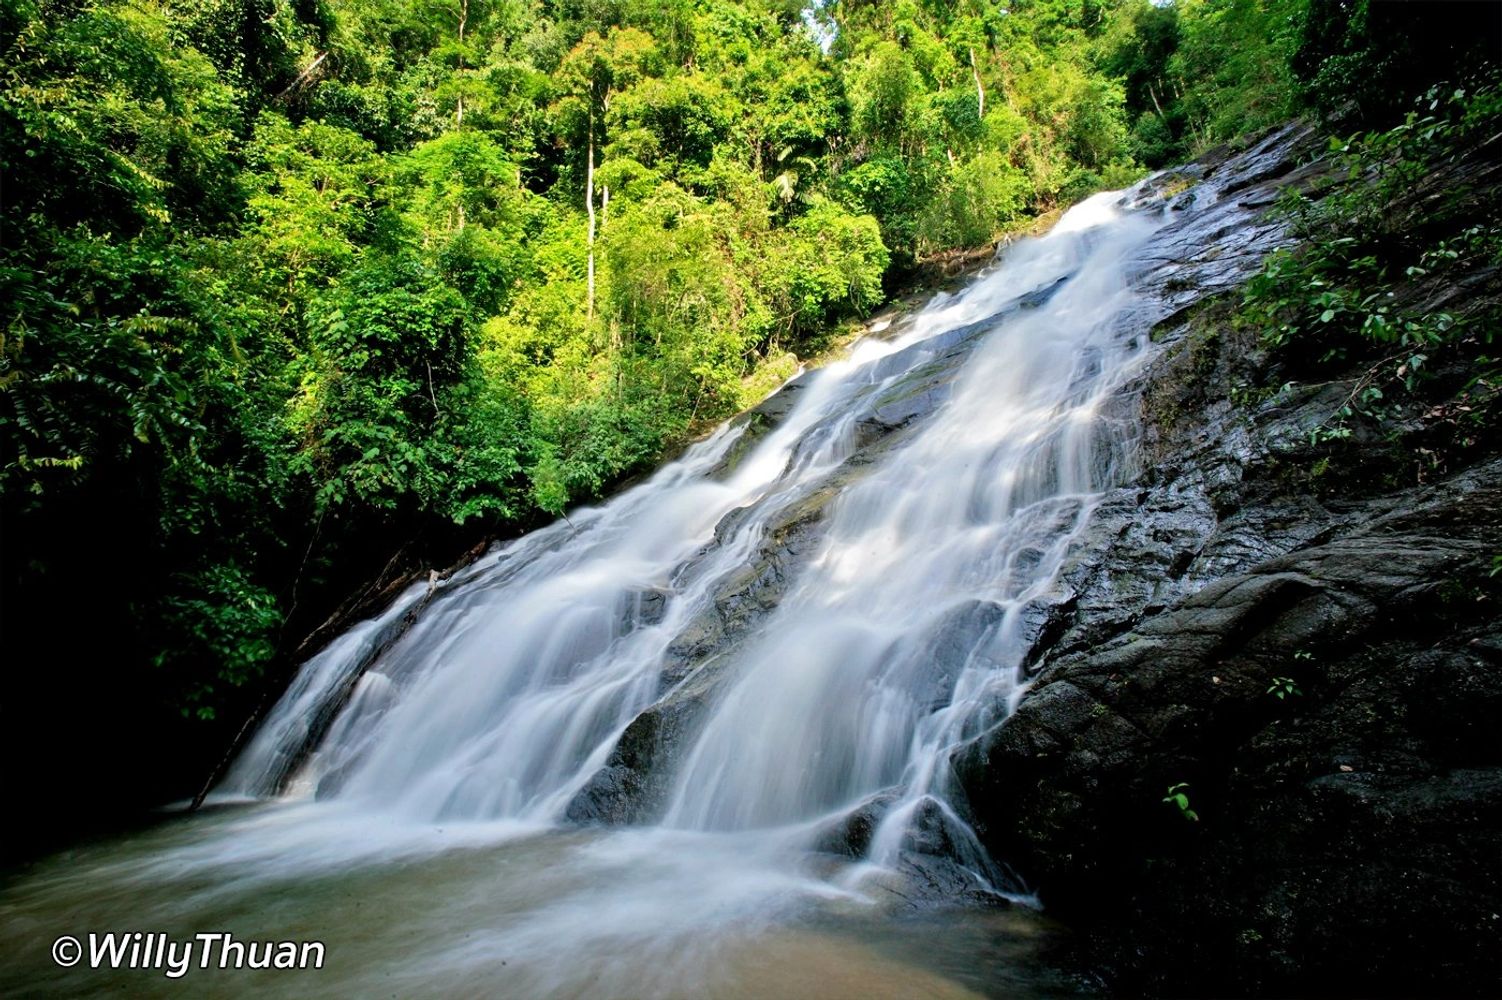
<point x="1392" y="288"/>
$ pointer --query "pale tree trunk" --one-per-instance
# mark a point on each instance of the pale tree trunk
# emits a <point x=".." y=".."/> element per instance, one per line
<point x="459" y="105"/>
<point x="615" y="327"/>
<point x="1153" y="94"/>
<point x="589" y="207"/>
<point x="463" y="22"/>
<point x="980" y="92"/>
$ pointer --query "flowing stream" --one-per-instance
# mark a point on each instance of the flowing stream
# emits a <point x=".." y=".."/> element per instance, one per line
<point x="406" y="802"/>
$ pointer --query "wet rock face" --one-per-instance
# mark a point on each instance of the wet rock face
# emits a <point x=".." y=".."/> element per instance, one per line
<point x="1348" y="834"/>
<point x="636" y="781"/>
<point x="1346" y="837"/>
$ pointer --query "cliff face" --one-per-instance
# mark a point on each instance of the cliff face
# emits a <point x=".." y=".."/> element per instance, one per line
<point x="1308" y="639"/>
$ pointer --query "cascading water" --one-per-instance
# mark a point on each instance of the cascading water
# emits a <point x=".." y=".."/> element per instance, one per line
<point x="844" y="693"/>
<point x="401" y="760"/>
<point x="512" y="688"/>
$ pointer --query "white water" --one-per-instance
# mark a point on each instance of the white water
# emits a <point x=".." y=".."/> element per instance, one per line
<point x="844" y="693"/>
<point x="440" y="785"/>
<point x="899" y="638"/>
<point x="511" y="690"/>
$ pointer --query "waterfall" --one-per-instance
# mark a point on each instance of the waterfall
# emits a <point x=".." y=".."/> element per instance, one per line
<point x="697" y="741"/>
<point x="902" y="635"/>
<point x="846" y="692"/>
<point x="903" y="631"/>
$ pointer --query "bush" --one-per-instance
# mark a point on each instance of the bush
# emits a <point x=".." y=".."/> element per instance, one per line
<point x="832" y="266"/>
<point x="218" y="616"/>
<point x="976" y="201"/>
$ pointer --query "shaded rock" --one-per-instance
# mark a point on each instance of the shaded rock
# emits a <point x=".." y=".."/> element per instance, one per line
<point x="850" y="835"/>
<point x="947" y="649"/>
<point x="635" y="782"/>
<point x="924" y="879"/>
<point x="1342" y="829"/>
<point x="644" y="607"/>
<point x="753" y="590"/>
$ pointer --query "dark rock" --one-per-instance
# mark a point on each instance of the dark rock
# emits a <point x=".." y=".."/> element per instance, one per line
<point x="936" y="665"/>
<point x="635" y="782"/>
<point x="644" y="607"/>
<point x="1348" y="834"/>
<point x="851" y="834"/>
<point x="925" y="879"/>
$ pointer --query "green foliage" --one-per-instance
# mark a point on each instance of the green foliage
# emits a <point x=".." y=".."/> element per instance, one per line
<point x="312" y="201"/>
<point x="832" y="266"/>
<point x="1283" y="687"/>
<point x="1178" y="797"/>
<point x="976" y="200"/>
<point x="1233" y="60"/>
<point x="1097" y="124"/>
<point x="1344" y="295"/>
<point x="216" y="615"/>
<point x="1369" y="61"/>
<point x="882" y="90"/>
<point x="382" y="346"/>
<point x="1342" y="284"/>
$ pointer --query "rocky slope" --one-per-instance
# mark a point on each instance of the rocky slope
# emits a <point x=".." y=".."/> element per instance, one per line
<point x="1346" y="833"/>
<point x="1309" y="639"/>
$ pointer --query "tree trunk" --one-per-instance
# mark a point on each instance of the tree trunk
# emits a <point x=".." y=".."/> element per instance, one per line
<point x="980" y="91"/>
<point x="589" y="207"/>
<point x="459" y="104"/>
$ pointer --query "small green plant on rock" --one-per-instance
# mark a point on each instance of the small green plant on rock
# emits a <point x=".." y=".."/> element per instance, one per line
<point x="1282" y="687"/>
<point x="1178" y="797"/>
